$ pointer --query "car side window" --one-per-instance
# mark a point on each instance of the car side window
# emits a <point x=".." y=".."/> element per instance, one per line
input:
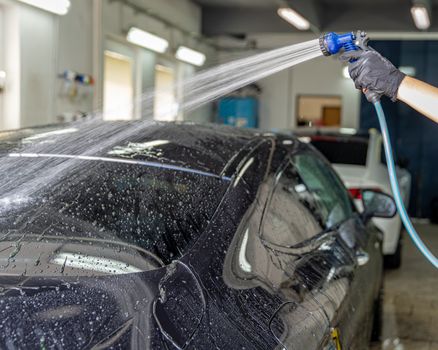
<point x="307" y="198"/>
<point x="329" y="196"/>
<point x="289" y="216"/>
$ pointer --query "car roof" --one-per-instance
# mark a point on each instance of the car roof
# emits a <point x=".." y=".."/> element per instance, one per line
<point x="207" y="147"/>
<point x="335" y="133"/>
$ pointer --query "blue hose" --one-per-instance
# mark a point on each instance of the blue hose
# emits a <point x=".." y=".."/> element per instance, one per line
<point x="396" y="189"/>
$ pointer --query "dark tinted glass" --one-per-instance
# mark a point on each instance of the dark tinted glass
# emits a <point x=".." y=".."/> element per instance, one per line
<point x="343" y="151"/>
<point x="291" y="216"/>
<point x="104" y="214"/>
<point x="307" y="198"/>
<point x="330" y="199"/>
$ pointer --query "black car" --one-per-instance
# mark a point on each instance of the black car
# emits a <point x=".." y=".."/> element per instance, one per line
<point x="171" y="236"/>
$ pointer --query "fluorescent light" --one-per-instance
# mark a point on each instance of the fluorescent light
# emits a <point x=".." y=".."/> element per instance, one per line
<point x="420" y="16"/>
<point x="59" y="7"/>
<point x="293" y="18"/>
<point x="190" y="56"/>
<point x="147" y="40"/>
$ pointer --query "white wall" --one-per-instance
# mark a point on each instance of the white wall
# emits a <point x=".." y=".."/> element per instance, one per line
<point x="74" y="52"/>
<point x="38" y="66"/>
<point x="39" y="46"/>
<point x="321" y="76"/>
<point x="184" y="16"/>
<point x="2" y="53"/>
<point x="10" y="115"/>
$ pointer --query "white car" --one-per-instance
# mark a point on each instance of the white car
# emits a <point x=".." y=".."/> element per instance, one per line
<point x="360" y="162"/>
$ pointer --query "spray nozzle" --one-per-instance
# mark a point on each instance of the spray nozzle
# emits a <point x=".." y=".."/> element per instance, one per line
<point x="332" y="43"/>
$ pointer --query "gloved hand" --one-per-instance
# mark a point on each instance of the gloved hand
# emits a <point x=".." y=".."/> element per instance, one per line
<point x="371" y="71"/>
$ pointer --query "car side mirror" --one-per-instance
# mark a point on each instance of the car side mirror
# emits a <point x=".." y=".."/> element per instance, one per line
<point x="378" y="205"/>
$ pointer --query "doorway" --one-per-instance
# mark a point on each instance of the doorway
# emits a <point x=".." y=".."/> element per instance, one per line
<point x="165" y="101"/>
<point x="118" y="87"/>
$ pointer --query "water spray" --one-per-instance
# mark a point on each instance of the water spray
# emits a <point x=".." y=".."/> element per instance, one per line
<point x="333" y="43"/>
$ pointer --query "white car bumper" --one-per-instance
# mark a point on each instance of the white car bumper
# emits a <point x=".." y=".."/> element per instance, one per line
<point x="391" y="232"/>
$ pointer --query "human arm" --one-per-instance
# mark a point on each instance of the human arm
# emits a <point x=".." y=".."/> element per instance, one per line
<point x="420" y="96"/>
<point x="371" y="71"/>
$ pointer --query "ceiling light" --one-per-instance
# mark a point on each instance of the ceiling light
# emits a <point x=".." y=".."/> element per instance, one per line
<point x="147" y="40"/>
<point x="59" y="7"/>
<point x="293" y="18"/>
<point x="190" y="56"/>
<point x="420" y="16"/>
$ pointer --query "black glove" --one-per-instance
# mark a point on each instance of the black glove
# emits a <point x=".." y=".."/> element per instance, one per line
<point x="371" y="71"/>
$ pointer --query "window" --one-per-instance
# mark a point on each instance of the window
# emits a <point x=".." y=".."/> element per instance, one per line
<point x="319" y="111"/>
<point x="329" y="196"/>
<point x="307" y="198"/>
<point x="290" y="217"/>
<point x="103" y="211"/>
<point x="352" y="151"/>
<point x="165" y="104"/>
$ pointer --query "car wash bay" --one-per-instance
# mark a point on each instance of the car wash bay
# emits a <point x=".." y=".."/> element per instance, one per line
<point x="211" y="226"/>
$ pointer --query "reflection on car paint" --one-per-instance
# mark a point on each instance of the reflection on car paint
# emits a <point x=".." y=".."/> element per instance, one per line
<point x="121" y="255"/>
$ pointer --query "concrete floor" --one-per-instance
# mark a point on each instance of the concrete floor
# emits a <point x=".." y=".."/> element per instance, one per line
<point x="410" y="318"/>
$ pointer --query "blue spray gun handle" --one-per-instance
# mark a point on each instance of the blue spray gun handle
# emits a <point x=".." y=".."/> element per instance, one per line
<point x="333" y="43"/>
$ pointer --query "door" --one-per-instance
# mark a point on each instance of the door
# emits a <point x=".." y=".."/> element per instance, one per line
<point x="300" y="226"/>
<point x="324" y="262"/>
<point x="165" y="104"/>
<point x="297" y="251"/>
<point x="331" y="116"/>
<point x="290" y="265"/>
<point x="118" y="87"/>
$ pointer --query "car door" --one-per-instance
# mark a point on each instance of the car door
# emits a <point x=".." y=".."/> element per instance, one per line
<point x="284" y="276"/>
<point x="316" y="240"/>
<point x="353" y="316"/>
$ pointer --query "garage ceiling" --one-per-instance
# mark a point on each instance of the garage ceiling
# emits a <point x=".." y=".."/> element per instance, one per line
<point x="237" y="3"/>
<point x="242" y="17"/>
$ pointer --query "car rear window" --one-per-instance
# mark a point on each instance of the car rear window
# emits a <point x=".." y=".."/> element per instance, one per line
<point x="352" y="151"/>
<point x="104" y="217"/>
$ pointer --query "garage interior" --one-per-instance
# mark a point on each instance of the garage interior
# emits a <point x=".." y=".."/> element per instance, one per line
<point x="62" y="61"/>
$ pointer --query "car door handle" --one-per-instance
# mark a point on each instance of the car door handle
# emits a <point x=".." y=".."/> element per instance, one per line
<point x="362" y="257"/>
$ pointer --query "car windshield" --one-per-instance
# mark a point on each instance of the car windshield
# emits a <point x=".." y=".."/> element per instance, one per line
<point x="339" y="150"/>
<point x="104" y="218"/>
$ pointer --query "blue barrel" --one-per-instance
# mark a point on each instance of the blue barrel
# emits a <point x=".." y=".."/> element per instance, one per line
<point x="239" y="111"/>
